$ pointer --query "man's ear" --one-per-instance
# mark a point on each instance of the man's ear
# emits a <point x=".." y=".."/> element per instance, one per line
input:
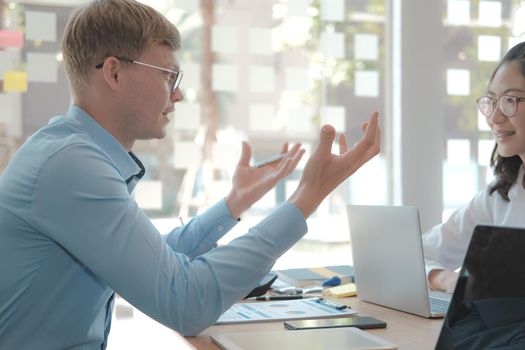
<point x="111" y="71"/>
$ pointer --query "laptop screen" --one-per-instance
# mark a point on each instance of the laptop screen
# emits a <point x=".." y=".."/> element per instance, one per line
<point x="487" y="310"/>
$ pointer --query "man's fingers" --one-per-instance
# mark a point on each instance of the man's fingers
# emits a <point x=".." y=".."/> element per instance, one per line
<point x="343" y="144"/>
<point x="371" y="128"/>
<point x="369" y="145"/>
<point x="246" y="153"/>
<point x="290" y="163"/>
<point x="292" y="154"/>
<point x="326" y="139"/>
<point x="285" y="168"/>
<point x="372" y="135"/>
<point x="295" y="160"/>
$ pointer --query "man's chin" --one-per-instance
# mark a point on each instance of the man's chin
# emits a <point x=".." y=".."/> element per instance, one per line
<point x="154" y="136"/>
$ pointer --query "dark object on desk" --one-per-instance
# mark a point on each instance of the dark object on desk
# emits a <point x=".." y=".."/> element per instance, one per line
<point x="279" y="297"/>
<point x="487" y="310"/>
<point x="362" y="322"/>
<point x="263" y="286"/>
<point x="303" y="277"/>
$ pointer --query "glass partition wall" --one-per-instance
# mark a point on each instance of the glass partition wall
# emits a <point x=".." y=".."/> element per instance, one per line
<point x="274" y="71"/>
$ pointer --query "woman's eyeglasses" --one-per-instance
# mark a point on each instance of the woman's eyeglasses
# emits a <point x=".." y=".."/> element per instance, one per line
<point x="508" y="105"/>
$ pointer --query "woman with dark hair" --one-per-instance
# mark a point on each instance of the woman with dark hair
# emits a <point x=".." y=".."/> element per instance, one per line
<point x="502" y="202"/>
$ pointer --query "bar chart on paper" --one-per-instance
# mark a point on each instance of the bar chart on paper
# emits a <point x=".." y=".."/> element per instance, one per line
<point x="283" y="310"/>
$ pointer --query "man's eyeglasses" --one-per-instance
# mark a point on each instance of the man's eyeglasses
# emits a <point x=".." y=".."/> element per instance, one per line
<point x="174" y="77"/>
<point x="508" y="105"/>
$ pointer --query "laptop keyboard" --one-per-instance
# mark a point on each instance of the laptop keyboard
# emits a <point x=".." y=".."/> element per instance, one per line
<point x="439" y="306"/>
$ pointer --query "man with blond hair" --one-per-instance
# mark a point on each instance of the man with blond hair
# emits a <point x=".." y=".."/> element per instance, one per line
<point x="70" y="233"/>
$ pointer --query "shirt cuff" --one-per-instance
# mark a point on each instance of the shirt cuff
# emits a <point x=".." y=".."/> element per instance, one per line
<point x="431" y="265"/>
<point x="218" y="219"/>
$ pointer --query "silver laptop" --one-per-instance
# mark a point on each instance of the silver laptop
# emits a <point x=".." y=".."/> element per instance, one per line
<point x="388" y="260"/>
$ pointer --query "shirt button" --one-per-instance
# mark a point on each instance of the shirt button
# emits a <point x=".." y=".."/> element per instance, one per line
<point x="220" y="228"/>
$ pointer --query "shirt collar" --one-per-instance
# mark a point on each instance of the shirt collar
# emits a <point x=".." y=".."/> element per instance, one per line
<point x="128" y="164"/>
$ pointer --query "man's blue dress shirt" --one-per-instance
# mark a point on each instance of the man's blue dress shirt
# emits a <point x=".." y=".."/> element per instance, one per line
<point x="71" y="235"/>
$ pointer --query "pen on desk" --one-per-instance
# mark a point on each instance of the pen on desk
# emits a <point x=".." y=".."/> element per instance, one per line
<point x="279" y="297"/>
<point x="271" y="159"/>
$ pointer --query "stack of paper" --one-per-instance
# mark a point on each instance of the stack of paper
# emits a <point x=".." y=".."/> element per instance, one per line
<point x="283" y="310"/>
<point x="342" y="291"/>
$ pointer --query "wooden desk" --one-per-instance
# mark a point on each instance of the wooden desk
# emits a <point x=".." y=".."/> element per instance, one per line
<point x="408" y="331"/>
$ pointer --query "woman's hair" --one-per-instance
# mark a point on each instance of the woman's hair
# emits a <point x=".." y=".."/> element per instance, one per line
<point x="106" y="28"/>
<point x="506" y="168"/>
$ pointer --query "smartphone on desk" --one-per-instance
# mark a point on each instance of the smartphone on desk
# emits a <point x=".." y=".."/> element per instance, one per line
<point x="362" y="322"/>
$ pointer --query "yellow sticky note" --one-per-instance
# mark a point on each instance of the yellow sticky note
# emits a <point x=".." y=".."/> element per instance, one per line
<point x="342" y="291"/>
<point x="15" y="81"/>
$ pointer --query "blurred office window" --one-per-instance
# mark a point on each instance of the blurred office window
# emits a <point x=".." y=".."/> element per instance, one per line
<point x="272" y="71"/>
<point x="279" y="70"/>
<point x="267" y="72"/>
<point x="476" y="36"/>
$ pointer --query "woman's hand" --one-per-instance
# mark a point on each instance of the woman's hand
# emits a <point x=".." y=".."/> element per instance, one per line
<point x="444" y="280"/>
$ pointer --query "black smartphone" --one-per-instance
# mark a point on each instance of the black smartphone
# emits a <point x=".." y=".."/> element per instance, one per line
<point x="362" y="322"/>
<point x="263" y="286"/>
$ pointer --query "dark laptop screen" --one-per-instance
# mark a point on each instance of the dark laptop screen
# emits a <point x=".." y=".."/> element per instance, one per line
<point x="487" y="310"/>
